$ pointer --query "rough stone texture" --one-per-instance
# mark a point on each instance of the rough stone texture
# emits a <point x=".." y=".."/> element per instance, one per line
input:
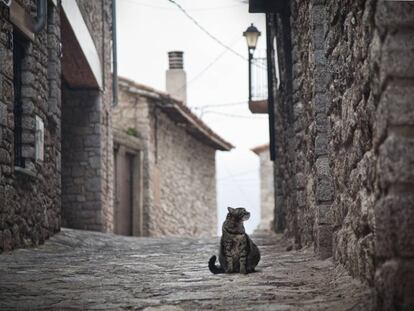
<point x="267" y="196"/>
<point x="30" y="198"/>
<point x="179" y="188"/>
<point x="87" y="143"/>
<point x="81" y="165"/>
<point x="98" y="18"/>
<point x="351" y="117"/>
<point x="351" y="74"/>
<point x="106" y="272"/>
<point x="392" y="53"/>
<point x="185" y="177"/>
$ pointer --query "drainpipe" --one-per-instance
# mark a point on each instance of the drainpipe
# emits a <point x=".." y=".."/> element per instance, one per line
<point x="270" y="88"/>
<point x="41" y="16"/>
<point x="114" y="57"/>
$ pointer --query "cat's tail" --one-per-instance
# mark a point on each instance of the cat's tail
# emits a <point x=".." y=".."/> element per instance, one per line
<point x="212" y="266"/>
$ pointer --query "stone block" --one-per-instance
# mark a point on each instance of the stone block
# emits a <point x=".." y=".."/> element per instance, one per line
<point x="297" y="83"/>
<point x="395" y="14"/>
<point x="28" y="92"/>
<point x="28" y="151"/>
<point x="324" y="189"/>
<point x="321" y="122"/>
<point x="321" y="79"/>
<point x="323" y="241"/>
<point x="93" y="184"/>
<point x="397" y="104"/>
<point x="28" y="123"/>
<point x="5" y="157"/>
<point x="320" y="102"/>
<point x="321" y="144"/>
<point x="28" y="106"/>
<point x="396" y="161"/>
<point x="6" y="57"/>
<point x="301" y="198"/>
<point x="394" y="283"/>
<point x="319" y="58"/>
<point x="7" y="91"/>
<point x="318" y="15"/>
<point x="397" y="55"/>
<point x="300" y="181"/>
<point x="3" y="114"/>
<point x="95" y="162"/>
<point x="92" y="141"/>
<point x="318" y="37"/>
<point x="322" y="166"/>
<point x="28" y="78"/>
<point x="394" y="222"/>
<point x="324" y="215"/>
<point x="298" y="110"/>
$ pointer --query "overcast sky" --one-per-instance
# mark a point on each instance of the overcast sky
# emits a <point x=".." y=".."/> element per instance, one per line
<point x="148" y="29"/>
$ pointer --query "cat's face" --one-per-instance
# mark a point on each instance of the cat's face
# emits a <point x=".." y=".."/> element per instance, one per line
<point x="239" y="214"/>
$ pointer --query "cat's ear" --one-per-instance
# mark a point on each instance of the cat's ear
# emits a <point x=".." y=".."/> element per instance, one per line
<point x="230" y="209"/>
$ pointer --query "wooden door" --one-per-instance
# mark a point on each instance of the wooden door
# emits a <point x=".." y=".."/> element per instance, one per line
<point x="124" y="181"/>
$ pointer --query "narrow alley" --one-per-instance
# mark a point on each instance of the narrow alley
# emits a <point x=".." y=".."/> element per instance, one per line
<point x="95" y="271"/>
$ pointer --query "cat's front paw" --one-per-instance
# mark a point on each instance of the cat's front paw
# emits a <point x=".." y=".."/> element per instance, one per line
<point x="243" y="270"/>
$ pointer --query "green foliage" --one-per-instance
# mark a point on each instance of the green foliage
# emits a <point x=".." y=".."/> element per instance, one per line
<point x="132" y="131"/>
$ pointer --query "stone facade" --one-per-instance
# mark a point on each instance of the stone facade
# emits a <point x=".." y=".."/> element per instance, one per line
<point x="267" y="193"/>
<point x="179" y="187"/>
<point x="30" y="192"/>
<point x="343" y="137"/>
<point x="73" y="168"/>
<point x="87" y="157"/>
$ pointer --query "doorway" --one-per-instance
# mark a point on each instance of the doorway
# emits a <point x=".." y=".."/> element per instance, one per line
<point x="128" y="211"/>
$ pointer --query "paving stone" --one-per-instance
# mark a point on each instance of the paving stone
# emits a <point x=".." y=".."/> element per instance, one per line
<point x="90" y="270"/>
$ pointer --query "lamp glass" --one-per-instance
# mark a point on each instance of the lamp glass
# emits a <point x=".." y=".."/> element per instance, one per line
<point x="251" y="39"/>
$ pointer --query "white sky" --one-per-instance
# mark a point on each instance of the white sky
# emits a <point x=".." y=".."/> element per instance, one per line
<point x="148" y="29"/>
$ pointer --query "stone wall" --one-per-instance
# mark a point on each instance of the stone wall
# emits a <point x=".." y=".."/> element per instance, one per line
<point x="179" y="192"/>
<point x="30" y="195"/>
<point x="132" y="116"/>
<point x="98" y="18"/>
<point x="392" y="90"/>
<point x="184" y="184"/>
<point x="87" y="160"/>
<point x="349" y="45"/>
<point x="351" y="93"/>
<point x="81" y="160"/>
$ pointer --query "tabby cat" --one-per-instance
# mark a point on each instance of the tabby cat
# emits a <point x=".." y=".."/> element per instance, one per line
<point x="237" y="251"/>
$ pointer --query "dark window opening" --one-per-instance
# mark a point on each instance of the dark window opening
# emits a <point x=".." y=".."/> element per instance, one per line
<point x="18" y="56"/>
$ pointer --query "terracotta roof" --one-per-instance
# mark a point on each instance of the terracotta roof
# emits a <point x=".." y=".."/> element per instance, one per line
<point x="178" y="112"/>
<point x="260" y="149"/>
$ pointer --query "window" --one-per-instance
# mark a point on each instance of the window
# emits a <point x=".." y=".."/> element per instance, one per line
<point x="18" y="56"/>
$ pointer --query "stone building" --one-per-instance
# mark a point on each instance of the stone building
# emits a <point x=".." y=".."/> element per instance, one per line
<point x="55" y="118"/>
<point x="177" y="157"/>
<point x="267" y="196"/>
<point x="344" y="135"/>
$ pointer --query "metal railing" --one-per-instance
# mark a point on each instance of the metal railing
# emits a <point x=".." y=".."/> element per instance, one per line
<point x="259" y="79"/>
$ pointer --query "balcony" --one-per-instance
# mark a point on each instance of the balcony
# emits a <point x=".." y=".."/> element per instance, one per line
<point x="258" y="102"/>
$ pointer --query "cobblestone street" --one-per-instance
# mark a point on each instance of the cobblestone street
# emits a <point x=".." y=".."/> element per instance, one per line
<point x="87" y="270"/>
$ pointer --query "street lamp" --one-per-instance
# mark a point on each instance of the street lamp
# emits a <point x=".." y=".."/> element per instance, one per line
<point x="252" y="35"/>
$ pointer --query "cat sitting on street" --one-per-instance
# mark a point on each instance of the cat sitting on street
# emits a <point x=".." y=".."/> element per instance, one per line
<point x="237" y="251"/>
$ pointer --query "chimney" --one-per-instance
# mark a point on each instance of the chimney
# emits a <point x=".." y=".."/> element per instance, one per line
<point x="176" y="78"/>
